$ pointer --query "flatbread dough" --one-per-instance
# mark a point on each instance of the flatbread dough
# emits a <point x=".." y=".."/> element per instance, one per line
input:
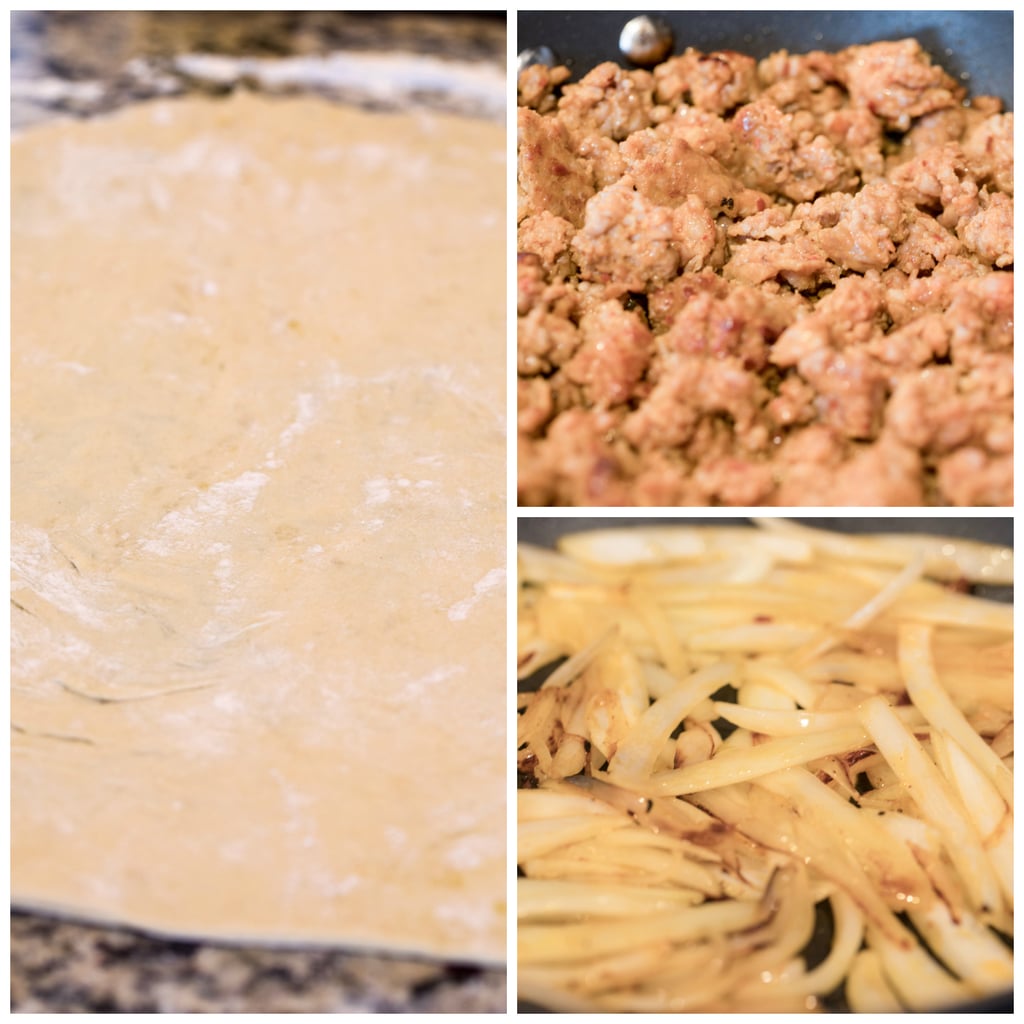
<point x="258" y="538"/>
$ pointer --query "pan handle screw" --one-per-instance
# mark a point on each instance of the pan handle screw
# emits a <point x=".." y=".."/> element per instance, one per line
<point x="646" y="41"/>
<point x="535" y="55"/>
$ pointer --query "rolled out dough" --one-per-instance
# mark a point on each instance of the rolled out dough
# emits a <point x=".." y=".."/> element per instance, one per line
<point x="258" y="539"/>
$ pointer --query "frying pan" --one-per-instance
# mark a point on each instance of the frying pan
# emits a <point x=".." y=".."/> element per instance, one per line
<point x="545" y="531"/>
<point x="974" y="46"/>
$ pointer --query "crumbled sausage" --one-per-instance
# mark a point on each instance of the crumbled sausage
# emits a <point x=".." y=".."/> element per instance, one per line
<point x="547" y="237"/>
<point x="716" y="82"/>
<point x="552" y="177"/>
<point x="775" y="282"/>
<point x="613" y="355"/>
<point x="608" y="101"/>
<point x="988" y="146"/>
<point x="897" y="82"/>
<point x="537" y="85"/>
<point x="626" y="241"/>
<point x="988" y="232"/>
<point x="788" y="154"/>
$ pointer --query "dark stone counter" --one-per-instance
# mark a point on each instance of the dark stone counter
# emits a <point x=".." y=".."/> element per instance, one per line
<point x="84" y="63"/>
<point x="62" y="967"/>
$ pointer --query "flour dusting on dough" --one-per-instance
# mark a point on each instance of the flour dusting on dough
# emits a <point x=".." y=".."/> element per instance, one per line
<point x="226" y="500"/>
<point x="378" y="491"/>
<point x="468" y="852"/>
<point x="40" y="568"/>
<point x="492" y="581"/>
<point x="305" y="412"/>
<point x="419" y="686"/>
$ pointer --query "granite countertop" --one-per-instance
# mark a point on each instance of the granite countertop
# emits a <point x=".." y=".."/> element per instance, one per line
<point x="80" y="63"/>
<point x="65" y="967"/>
<point x="84" y="63"/>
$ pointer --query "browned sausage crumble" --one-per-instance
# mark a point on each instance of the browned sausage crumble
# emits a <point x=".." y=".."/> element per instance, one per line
<point x="776" y="282"/>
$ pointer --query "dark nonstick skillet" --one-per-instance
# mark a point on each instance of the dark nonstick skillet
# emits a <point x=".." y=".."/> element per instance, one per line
<point x="997" y="530"/>
<point x="976" y="46"/>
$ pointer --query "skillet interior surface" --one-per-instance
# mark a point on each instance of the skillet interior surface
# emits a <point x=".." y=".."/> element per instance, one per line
<point x="975" y="46"/>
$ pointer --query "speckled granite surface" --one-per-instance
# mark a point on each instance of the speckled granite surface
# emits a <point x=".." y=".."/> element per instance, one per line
<point x="60" y="967"/>
<point x="86" y="62"/>
<point x="81" y="63"/>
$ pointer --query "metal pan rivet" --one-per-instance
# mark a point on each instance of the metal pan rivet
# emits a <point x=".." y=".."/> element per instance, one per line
<point x="535" y="55"/>
<point x="645" y="40"/>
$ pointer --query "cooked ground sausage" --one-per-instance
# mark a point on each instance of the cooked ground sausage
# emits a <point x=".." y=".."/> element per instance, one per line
<point x="775" y="282"/>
